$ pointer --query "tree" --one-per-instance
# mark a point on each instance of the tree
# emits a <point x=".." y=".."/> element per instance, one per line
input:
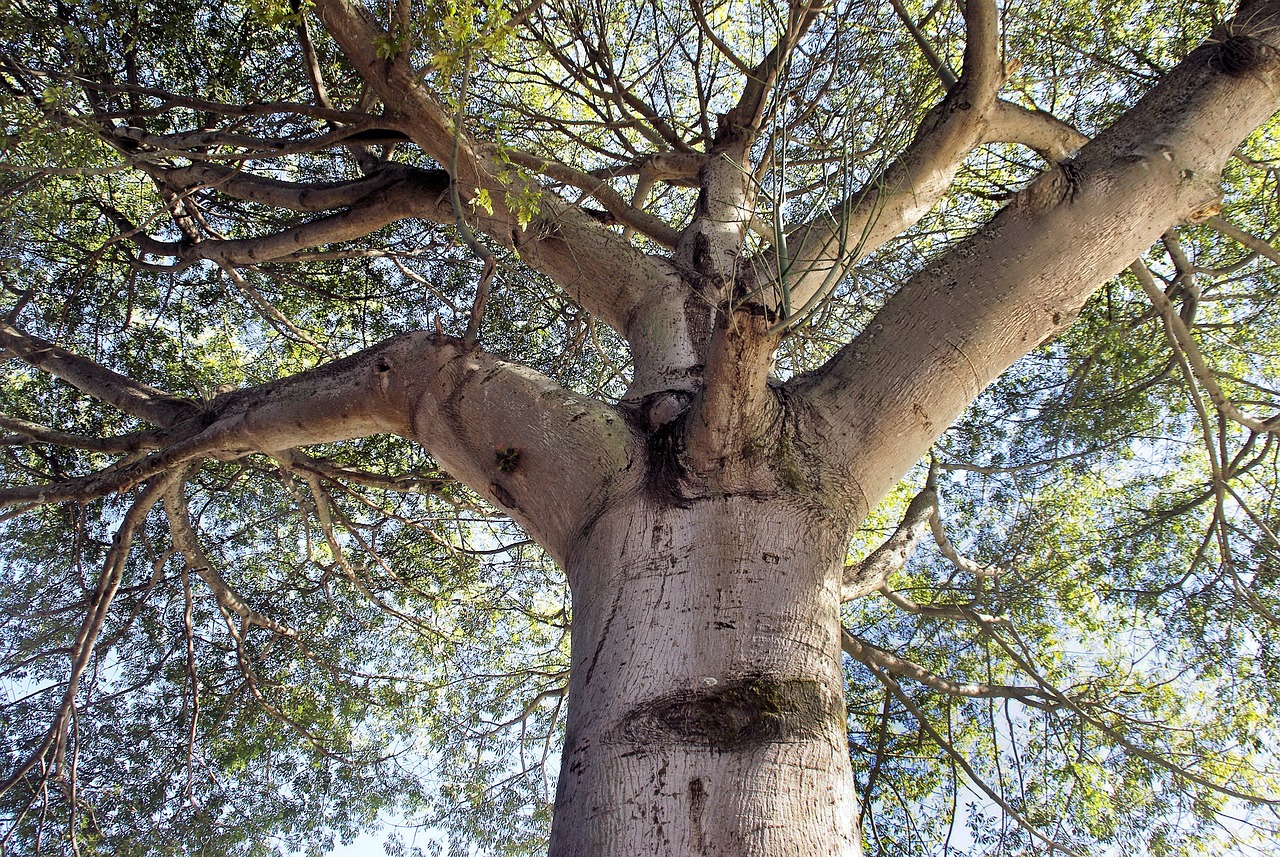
<point x="299" y="295"/>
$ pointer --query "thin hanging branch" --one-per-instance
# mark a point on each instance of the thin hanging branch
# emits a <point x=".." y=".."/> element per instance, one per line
<point x="1023" y="822"/>
<point x="1182" y="340"/>
<point x="472" y="335"/>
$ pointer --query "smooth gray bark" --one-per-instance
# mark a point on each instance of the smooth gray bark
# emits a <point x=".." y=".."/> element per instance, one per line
<point x="708" y="710"/>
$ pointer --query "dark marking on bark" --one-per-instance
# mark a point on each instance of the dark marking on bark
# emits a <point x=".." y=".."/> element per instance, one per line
<point x="737" y="714"/>
<point x="664" y="465"/>
<point x="788" y="464"/>
<point x="604" y="635"/>
<point x="700" y="317"/>
<point x="655" y="536"/>
<point x="503" y="496"/>
<point x="697" y="807"/>
<point x="658" y="788"/>
<point x="922" y="415"/>
<point x="1058" y="184"/>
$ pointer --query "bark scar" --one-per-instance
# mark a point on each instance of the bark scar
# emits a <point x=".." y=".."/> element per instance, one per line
<point x="736" y="714"/>
<point x="697" y="806"/>
<point x="604" y="634"/>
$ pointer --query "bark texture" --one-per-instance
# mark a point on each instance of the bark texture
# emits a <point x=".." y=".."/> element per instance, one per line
<point x="708" y="712"/>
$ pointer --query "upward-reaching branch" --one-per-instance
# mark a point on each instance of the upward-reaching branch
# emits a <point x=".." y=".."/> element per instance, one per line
<point x="954" y="327"/>
<point x="561" y="238"/>
<point x="897" y="197"/>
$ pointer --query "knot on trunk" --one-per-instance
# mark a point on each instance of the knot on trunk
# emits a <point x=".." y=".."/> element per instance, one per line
<point x="1242" y="55"/>
<point x="736" y="714"/>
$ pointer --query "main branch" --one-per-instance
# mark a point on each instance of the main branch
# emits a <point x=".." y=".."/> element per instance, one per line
<point x="953" y="328"/>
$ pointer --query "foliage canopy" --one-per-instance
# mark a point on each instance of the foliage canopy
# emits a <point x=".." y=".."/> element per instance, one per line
<point x="281" y="647"/>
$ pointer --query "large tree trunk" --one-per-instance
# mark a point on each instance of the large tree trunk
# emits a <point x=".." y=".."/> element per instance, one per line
<point x="706" y="711"/>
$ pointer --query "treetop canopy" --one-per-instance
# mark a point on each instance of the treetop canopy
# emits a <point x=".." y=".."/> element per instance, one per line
<point x="248" y="602"/>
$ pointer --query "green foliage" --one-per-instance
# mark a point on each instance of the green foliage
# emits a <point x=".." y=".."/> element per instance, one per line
<point x="1129" y="532"/>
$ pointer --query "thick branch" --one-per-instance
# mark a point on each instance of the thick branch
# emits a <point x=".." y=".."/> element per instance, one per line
<point x="508" y="432"/>
<point x="135" y="399"/>
<point x="1053" y="139"/>
<point x="417" y="195"/>
<point x="504" y="430"/>
<point x="957" y="325"/>
<point x="596" y="267"/>
<point x="615" y="283"/>
<point x="821" y="250"/>
<point x="362" y="39"/>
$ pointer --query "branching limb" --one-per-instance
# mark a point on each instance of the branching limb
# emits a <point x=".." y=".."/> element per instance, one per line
<point x="1019" y="653"/>
<point x="186" y="540"/>
<point x="456" y="401"/>
<point x="414" y="483"/>
<point x="922" y="514"/>
<point x="472" y="335"/>
<point x="629" y="214"/>
<point x="758" y="82"/>
<point x="873" y="656"/>
<point x="949" y="612"/>
<point x="140" y="146"/>
<point x="353" y="397"/>
<point x="951" y="329"/>
<point x="704" y="26"/>
<point x="375" y="210"/>
<point x="49" y="753"/>
<point x="870" y="574"/>
<point x="508" y="432"/>
<point x="937" y="63"/>
<point x="270" y="313"/>
<point x="1181" y="339"/>
<point x="959" y="560"/>
<point x="820" y="251"/>
<point x="302" y="196"/>
<point x="1245" y="239"/>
